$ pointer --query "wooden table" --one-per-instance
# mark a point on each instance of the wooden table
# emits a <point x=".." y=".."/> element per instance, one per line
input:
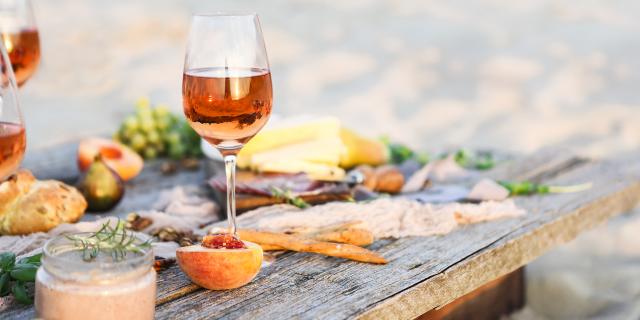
<point x="424" y="273"/>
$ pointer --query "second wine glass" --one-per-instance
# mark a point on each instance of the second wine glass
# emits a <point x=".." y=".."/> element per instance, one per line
<point x="20" y="37"/>
<point x="13" y="140"/>
<point x="226" y="87"/>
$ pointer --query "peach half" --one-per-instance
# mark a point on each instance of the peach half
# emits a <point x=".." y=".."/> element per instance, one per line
<point x="122" y="159"/>
<point x="220" y="269"/>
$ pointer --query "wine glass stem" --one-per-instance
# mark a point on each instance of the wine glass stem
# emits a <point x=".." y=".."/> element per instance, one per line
<point x="230" y="169"/>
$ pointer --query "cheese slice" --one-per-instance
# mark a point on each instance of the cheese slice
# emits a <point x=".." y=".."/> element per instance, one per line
<point x="327" y="151"/>
<point x="314" y="170"/>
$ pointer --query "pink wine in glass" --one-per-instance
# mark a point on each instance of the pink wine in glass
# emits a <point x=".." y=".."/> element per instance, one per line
<point x="12" y="145"/>
<point x="227" y="106"/>
<point x="24" y="52"/>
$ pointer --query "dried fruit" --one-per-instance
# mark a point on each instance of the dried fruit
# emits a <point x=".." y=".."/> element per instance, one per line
<point x="161" y="263"/>
<point x="190" y="163"/>
<point x="185" y="241"/>
<point x="171" y="234"/>
<point x="136" y="222"/>
<point x="168" y="168"/>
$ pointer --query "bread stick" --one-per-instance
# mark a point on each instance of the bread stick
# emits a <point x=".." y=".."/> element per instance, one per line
<point x="300" y="244"/>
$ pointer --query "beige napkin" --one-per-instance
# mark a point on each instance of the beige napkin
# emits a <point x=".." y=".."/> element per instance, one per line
<point x="181" y="208"/>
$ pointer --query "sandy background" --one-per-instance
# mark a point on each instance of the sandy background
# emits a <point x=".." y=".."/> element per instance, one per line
<point x="510" y="74"/>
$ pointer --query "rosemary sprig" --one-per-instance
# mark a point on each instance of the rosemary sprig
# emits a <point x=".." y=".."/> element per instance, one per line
<point x="400" y="153"/>
<point x="289" y="198"/>
<point x="474" y="160"/>
<point x="115" y="240"/>
<point x="529" y="188"/>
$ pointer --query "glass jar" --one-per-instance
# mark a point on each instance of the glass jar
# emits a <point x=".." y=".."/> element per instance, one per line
<point x="68" y="287"/>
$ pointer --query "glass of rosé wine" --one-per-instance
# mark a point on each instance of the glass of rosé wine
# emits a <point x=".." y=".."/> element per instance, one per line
<point x="20" y="37"/>
<point x="226" y="87"/>
<point x="12" y="134"/>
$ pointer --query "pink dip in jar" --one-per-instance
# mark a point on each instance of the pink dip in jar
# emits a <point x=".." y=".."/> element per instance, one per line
<point x="68" y="287"/>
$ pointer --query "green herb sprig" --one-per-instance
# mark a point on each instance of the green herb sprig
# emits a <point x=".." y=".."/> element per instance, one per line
<point x="474" y="160"/>
<point x="517" y="188"/>
<point x="400" y="153"/>
<point x="115" y="240"/>
<point x="289" y="198"/>
<point x="14" y="275"/>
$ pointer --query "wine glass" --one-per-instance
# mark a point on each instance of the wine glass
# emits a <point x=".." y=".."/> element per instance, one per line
<point x="226" y="87"/>
<point x="20" y="37"/>
<point x="12" y="134"/>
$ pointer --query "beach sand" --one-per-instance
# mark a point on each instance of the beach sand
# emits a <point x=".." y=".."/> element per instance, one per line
<point x="515" y="75"/>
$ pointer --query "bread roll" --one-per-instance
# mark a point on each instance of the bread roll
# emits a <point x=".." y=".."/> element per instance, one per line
<point x="28" y="205"/>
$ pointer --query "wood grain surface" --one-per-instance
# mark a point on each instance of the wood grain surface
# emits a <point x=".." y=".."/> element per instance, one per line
<point x="423" y="273"/>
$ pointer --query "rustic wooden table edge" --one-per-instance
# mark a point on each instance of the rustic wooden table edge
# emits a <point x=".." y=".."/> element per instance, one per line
<point x="616" y="190"/>
<point x="505" y="256"/>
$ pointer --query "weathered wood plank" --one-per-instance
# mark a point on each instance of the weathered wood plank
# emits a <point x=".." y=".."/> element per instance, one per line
<point x="171" y="283"/>
<point x="59" y="163"/>
<point x="493" y="300"/>
<point x="424" y="273"/>
<point x="319" y="287"/>
<point x="532" y="163"/>
<point x="552" y="220"/>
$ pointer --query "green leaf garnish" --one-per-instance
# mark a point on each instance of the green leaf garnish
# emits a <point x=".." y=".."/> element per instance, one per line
<point x="7" y="259"/>
<point x="528" y="188"/>
<point x="24" y="272"/>
<point x="20" y="293"/>
<point x="14" y="275"/>
<point x="474" y="160"/>
<point x="401" y="153"/>
<point x="34" y="259"/>
<point x="5" y="284"/>
<point x="288" y="197"/>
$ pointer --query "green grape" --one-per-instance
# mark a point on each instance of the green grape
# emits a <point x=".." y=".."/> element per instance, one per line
<point x="126" y="134"/>
<point x="131" y="123"/>
<point x="144" y="113"/>
<point x="160" y="111"/>
<point x="176" y="151"/>
<point x="163" y="123"/>
<point x="147" y="125"/>
<point x="138" y="142"/>
<point x="143" y="102"/>
<point x="150" y="153"/>
<point x="153" y="137"/>
<point x="173" y="138"/>
<point x="156" y="131"/>
<point x="175" y="120"/>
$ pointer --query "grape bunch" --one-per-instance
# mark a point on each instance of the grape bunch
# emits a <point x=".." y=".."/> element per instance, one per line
<point x="156" y="132"/>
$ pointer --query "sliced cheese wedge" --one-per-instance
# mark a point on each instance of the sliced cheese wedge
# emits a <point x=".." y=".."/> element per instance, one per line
<point x="327" y="151"/>
<point x="289" y="132"/>
<point x="314" y="170"/>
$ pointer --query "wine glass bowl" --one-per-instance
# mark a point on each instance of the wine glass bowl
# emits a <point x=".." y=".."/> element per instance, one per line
<point x="226" y="86"/>
<point x="20" y="37"/>
<point x="227" y="107"/>
<point x="12" y="133"/>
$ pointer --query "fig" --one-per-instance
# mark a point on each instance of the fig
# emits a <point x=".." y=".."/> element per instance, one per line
<point x="101" y="186"/>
